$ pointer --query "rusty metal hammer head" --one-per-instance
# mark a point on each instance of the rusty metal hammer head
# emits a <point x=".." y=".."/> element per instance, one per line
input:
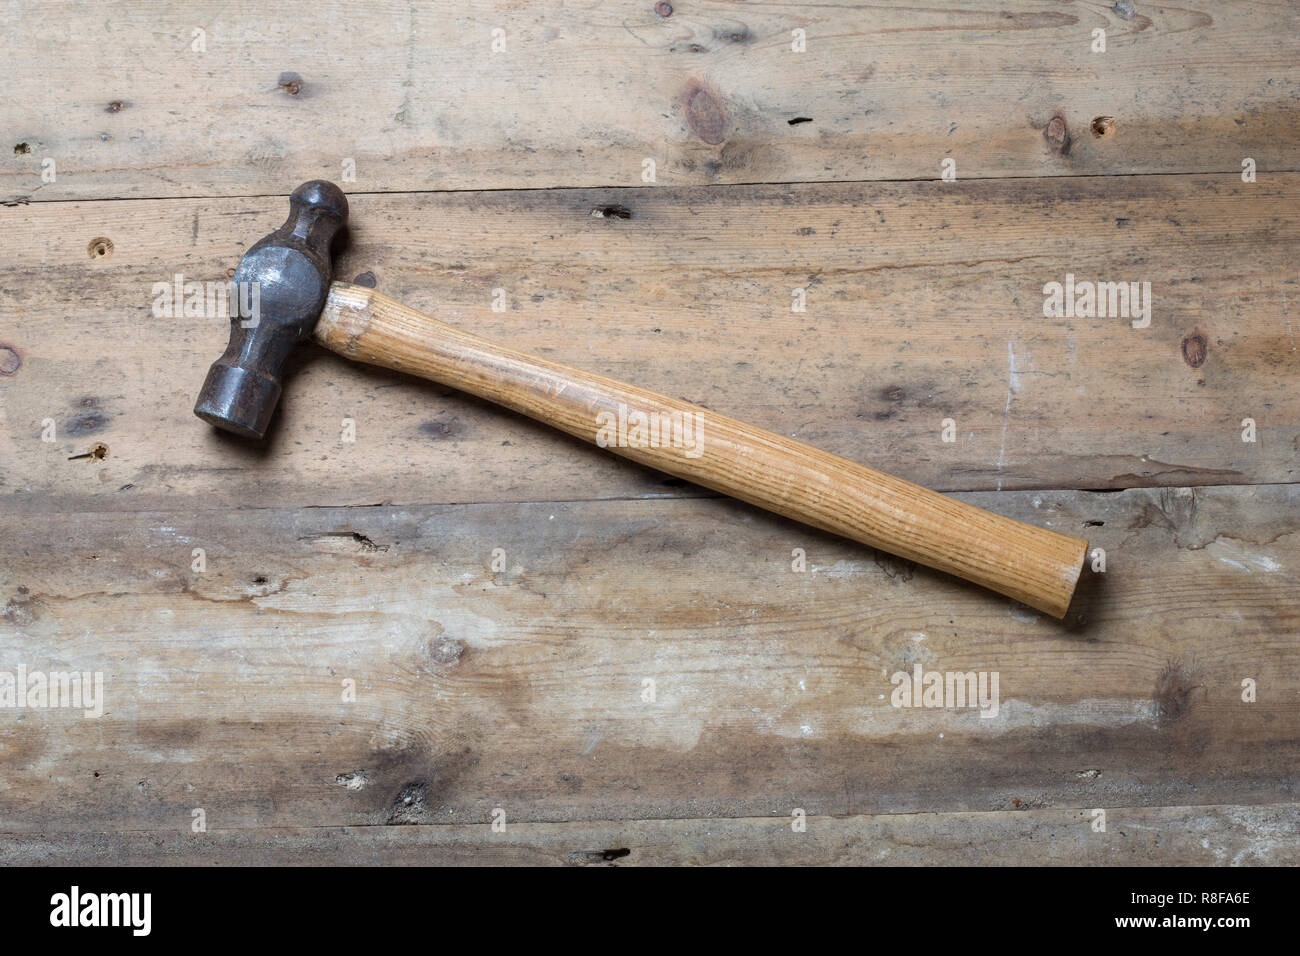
<point x="290" y="272"/>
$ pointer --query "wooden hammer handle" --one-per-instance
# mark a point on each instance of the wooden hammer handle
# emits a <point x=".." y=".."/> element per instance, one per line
<point x="1035" y="566"/>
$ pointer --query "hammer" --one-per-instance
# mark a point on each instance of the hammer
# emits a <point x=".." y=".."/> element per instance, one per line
<point x="291" y="268"/>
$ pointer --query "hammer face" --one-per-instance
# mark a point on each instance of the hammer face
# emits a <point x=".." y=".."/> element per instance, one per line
<point x="290" y="269"/>
<point x="238" y="400"/>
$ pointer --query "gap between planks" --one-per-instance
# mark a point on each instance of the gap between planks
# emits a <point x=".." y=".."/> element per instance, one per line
<point x="33" y="200"/>
<point x="704" y="495"/>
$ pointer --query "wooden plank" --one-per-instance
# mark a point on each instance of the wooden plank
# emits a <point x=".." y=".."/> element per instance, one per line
<point x="525" y="688"/>
<point x="924" y="303"/>
<point x="583" y="94"/>
<point x="1134" y="836"/>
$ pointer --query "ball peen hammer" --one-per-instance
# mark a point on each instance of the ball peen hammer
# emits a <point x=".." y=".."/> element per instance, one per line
<point x="292" y="270"/>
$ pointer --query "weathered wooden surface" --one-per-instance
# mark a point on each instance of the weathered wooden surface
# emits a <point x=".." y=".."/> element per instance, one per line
<point x="924" y="303"/>
<point x="1134" y="836"/>
<point x="412" y="93"/>
<point x="523" y="689"/>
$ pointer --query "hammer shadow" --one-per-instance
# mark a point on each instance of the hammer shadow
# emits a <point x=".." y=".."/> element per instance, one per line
<point x="247" y="450"/>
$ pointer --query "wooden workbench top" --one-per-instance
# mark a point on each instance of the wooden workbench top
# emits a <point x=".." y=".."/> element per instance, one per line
<point x="407" y="606"/>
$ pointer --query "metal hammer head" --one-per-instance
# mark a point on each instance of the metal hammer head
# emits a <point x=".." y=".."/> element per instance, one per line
<point x="289" y="275"/>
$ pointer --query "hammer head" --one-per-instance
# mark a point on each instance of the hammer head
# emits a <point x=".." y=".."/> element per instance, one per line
<point x="287" y="275"/>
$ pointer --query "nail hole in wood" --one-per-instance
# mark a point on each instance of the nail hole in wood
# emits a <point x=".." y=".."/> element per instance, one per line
<point x="100" y="247"/>
<point x="1103" y="126"/>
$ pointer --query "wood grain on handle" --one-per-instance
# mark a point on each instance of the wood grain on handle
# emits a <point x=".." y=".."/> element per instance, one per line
<point x="1035" y="566"/>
